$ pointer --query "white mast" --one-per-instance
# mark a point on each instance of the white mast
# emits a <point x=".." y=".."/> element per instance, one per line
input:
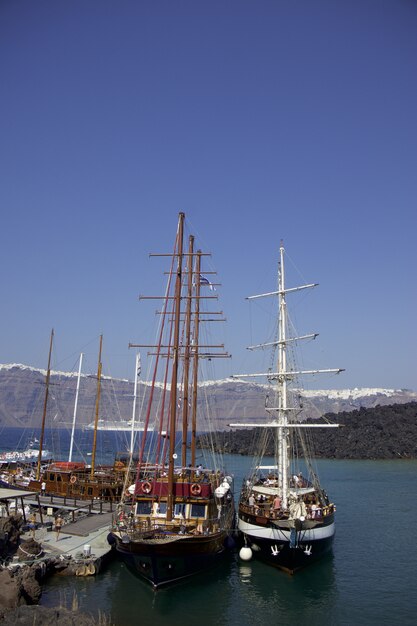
<point x="137" y="374"/>
<point x="75" y="408"/>
<point x="282" y="384"/>
<point x="282" y="376"/>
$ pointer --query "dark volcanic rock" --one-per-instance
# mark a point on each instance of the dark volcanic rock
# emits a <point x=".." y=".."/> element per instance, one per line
<point x="385" y="432"/>
<point x="29" y="550"/>
<point x="9" y="535"/>
<point x="10" y="590"/>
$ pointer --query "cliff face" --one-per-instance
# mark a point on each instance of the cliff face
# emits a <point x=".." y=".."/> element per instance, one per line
<point x="22" y="391"/>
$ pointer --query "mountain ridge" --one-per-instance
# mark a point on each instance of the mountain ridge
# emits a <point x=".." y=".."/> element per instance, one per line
<point x="22" y="395"/>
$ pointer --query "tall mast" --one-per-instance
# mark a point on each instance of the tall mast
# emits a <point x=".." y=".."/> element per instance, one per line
<point x="93" y="456"/>
<point x="187" y="352"/>
<point x="195" y="355"/>
<point x="45" y="404"/>
<point x="282" y="381"/>
<point x="75" y="408"/>
<point x="175" y="360"/>
<point x="135" y="394"/>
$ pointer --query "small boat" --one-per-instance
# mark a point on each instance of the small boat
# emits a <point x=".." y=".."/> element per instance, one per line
<point x="115" y="425"/>
<point x="177" y="518"/>
<point x="26" y="457"/>
<point x="285" y="517"/>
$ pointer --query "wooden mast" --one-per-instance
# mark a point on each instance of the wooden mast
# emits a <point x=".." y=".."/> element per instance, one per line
<point x="175" y="361"/>
<point x="93" y="455"/>
<point x="187" y="353"/>
<point x="45" y="404"/>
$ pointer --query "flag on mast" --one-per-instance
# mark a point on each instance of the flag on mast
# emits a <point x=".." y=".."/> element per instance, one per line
<point x="205" y="281"/>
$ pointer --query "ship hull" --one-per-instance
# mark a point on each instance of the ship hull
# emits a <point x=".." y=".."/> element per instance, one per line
<point x="163" y="563"/>
<point x="289" y="549"/>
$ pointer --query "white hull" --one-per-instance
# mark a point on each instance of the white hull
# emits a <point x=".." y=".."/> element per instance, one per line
<point x="276" y="534"/>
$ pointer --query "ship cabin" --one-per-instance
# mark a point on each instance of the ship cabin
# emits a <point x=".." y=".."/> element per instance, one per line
<point x="74" y="480"/>
<point x="196" y="494"/>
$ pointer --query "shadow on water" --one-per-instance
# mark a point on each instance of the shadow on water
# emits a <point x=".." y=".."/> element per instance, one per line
<point x="234" y="592"/>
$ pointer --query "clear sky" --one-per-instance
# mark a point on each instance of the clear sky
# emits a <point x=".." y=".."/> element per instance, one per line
<point x="261" y="120"/>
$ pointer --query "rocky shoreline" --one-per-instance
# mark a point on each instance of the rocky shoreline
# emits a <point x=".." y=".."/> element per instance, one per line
<point x="380" y="433"/>
<point x="24" y="569"/>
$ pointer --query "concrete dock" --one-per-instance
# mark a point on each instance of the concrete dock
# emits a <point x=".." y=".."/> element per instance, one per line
<point x="82" y="546"/>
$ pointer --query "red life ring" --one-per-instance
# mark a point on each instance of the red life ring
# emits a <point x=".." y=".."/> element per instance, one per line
<point x="73" y="480"/>
<point x="195" y="489"/>
<point x="146" y="487"/>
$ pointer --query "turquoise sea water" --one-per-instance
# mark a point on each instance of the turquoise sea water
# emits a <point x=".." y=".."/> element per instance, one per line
<point x="370" y="579"/>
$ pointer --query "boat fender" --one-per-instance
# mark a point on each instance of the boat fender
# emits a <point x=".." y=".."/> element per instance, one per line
<point x="195" y="489"/>
<point x="73" y="480"/>
<point x="146" y="487"/>
<point x="81" y="571"/>
<point x="245" y="553"/>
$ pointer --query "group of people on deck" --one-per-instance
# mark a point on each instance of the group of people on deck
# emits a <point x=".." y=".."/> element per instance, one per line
<point x="261" y="502"/>
<point x="272" y="507"/>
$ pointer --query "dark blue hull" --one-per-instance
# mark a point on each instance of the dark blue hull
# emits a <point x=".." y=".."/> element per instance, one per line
<point x="163" y="563"/>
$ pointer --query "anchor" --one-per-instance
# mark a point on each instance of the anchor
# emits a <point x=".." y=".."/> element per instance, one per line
<point x="274" y="550"/>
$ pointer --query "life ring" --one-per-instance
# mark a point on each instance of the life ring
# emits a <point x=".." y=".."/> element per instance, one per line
<point x="195" y="489"/>
<point x="146" y="487"/>
<point x="73" y="480"/>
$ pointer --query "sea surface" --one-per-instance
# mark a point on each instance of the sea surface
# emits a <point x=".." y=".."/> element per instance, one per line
<point x="370" y="579"/>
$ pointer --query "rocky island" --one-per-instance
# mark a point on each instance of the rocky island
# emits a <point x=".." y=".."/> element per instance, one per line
<point x="383" y="432"/>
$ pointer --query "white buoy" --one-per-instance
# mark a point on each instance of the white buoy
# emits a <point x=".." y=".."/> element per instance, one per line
<point x="245" y="553"/>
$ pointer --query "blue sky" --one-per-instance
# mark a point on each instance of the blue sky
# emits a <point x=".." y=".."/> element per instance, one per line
<point x="260" y="120"/>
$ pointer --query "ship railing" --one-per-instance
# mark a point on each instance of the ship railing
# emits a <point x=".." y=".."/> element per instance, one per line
<point x="140" y="526"/>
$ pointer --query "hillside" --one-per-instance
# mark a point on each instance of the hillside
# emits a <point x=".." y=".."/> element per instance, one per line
<point x="383" y="432"/>
<point x="22" y="390"/>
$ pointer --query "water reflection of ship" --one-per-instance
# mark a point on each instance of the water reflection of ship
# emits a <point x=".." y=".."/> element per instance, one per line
<point x="190" y="594"/>
<point x="314" y="593"/>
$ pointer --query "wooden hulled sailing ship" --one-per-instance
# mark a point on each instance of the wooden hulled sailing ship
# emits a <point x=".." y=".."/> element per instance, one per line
<point x="78" y="480"/>
<point x="177" y="518"/>
<point x="285" y="516"/>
